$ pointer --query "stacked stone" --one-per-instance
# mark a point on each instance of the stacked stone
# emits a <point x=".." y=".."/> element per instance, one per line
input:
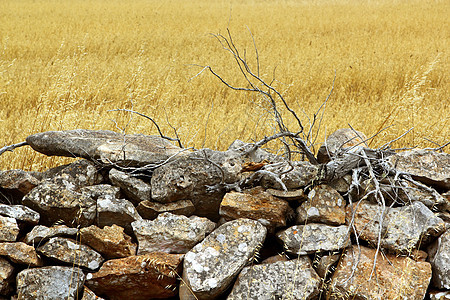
<point x="106" y="227"/>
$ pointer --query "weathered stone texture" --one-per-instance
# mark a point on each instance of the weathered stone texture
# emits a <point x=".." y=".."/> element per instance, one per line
<point x="439" y="253"/>
<point x="171" y="233"/>
<point x="339" y="141"/>
<point x="134" y="188"/>
<point x="151" y="209"/>
<point x="20" y="213"/>
<point x="9" y="230"/>
<point x="41" y="233"/>
<point x="311" y="238"/>
<point x="116" y="211"/>
<point x="50" y="283"/>
<point x="294" y="279"/>
<point x="21" y="253"/>
<point x="302" y="174"/>
<point x="18" y="181"/>
<point x="395" y="277"/>
<point x="110" y="241"/>
<point x="6" y="276"/>
<point x="71" y="252"/>
<point x="142" y="277"/>
<point x="210" y="267"/>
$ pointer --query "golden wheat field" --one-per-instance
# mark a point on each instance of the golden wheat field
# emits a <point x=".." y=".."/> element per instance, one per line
<point x="66" y="64"/>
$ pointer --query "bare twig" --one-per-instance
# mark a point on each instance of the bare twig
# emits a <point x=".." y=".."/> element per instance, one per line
<point x="12" y="147"/>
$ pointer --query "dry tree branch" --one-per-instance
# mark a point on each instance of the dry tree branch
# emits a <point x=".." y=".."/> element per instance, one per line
<point x="12" y="147"/>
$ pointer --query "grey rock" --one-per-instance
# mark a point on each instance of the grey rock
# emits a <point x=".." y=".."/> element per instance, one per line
<point x="55" y="202"/>
<point x="21" y="253"/>
<point x="301" y="175"/>
<point x="252" y="154"/>
<point x="439" y="295"/>
<point x="439" y="253"/>
<point x="95" y="191"/>
<point x="294" y="279"/>
<point x="211" y="266"/>
<point x="41" y="233"/>
<point x="134" y="188"/>
<point x="6" y="276"/>
<point x="311" y="238"/>
<point x="20" y="213"/>
<point x="116" y="211"/>
<point x="105" y="146"/>
<point x="324" y="205"/>
<point x="72" y="252"/>
<point x="18" y="181"/>
<point x="50" y="283"/>
<point x="429" y="167"/>
<point x="341" y="184"/>
<point x="325" y="263"/>
<point x="294" y="195"/>
<point x="9" y="230"/>
<point x="171" y="233"/>
<point x="338" y="141"/>
<point x="151" y="209"/>
<point x="403" y="228"/>
<point x="79" y="174"/>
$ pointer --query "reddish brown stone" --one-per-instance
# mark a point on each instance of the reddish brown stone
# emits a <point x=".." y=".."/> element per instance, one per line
<point x="147" y="276"/>
<point x="394" y="277"/>
<point x="21" y="253"/>
<point x="110" y="241"/>
<point x="257" y="205"/>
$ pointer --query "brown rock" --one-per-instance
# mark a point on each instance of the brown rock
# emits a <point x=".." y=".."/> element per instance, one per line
<point x="394" y="277"/>
<point x="324" y="205"/>
<point x="147" y="276"/>
<point x="89" y="295"/>
<point x="135" y="189"/>
<point x="150" y="209"/>
<point x="18" y="181"/>
<point x="257" y="205"/>
<point x="294" y="195"/>
<point x="6" y="277"/>
<point x="325" y="264"/>
<point x="338" y="141"/>
<point x="429" y="167"/>
<point x="9" y="230"/>
<point x="110" y="241"/>
<point x="275" y="258"/>
<point x="21" y="253"/>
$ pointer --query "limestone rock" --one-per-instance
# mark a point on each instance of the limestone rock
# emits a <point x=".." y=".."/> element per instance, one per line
<point x="325" y="263"/>
<point x="89" y="295"/>
<point x="439" y="295"/>
<point x="151" y="209"/>
<point x="142" y="277"/>
<point x="439" y="253"/>
<point x="338" y="141"/>
<point x="294" y="195"/>
<point x="402" y="229"/>
<point x="294" y="279"/>
<point x="301" y="175"/>
<point x="341" y="184"/>
<point x="18" y="182"/>
<point x="105" y="146"/>
<point x="252" y="154"/>
<point x="20" y="213"/>
<point x="50" y="283"/>
<point x="95" y="191"/>
<point x="55" y="202"/>
<point x="41" y="233"/>
<point x="116" y="211"/>
<point x="134" y="188"/>
<point x="9" y="230"/>
<point x="257" y="205"/>
<point x="110" y="241"/>
<point x="6" y="276"/>
<point x="72" y="252"/>
<point x="429" y="167"/>
<point x="396" y="277"/>
<point x="75" y="175"/>
<point x="311" y="238"/>
<point x="324" y="205"/>
<point x="275" y="258"/>
<point x="171" y="233"/>
<point x="21" y="253"/>
<point x="211" y="266"/>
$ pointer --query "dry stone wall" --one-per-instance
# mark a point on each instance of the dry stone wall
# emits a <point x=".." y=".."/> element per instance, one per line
<point x="144" y="219"/>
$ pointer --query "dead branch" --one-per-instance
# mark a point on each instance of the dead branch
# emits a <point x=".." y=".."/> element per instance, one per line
<point x="12" y="147"/>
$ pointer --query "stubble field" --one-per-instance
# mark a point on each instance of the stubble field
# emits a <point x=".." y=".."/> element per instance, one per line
<point x="66" y="64"/>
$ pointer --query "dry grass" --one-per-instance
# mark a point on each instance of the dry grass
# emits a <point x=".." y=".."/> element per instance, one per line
<point x="64" y="64"/>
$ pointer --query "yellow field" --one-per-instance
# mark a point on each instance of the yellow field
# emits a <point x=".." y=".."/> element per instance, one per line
<point x="64" y="64"/>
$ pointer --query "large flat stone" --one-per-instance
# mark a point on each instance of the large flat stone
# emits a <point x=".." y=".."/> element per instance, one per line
<point x="20" y="213"/>
<point x="41" y="233"/>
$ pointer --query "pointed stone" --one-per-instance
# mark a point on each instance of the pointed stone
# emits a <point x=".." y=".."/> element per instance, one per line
<point x="294" y="279"/>
<point x="171" y="233"/>
<point x="89" y="295"/>
<point x="21" y="253"/>
<point x="71" y="252"/>
<point x="394" y="277"/>
<point x="20" y="213"/>
<point x="134" y="188"/>
<point x="311" y="238"/>
<point x="50" y="283"/>
<point x="257" y="205"/>
<point x="41" y="233"/>
<point x="211" y="266"/>
<point x="324" y="205"/>
<point x="142" y="277"/>
<point x="9" y="230"/>
<point x="105" y="146"/>
<point x="110" y="242"/>
<point x="151" y="209"/>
